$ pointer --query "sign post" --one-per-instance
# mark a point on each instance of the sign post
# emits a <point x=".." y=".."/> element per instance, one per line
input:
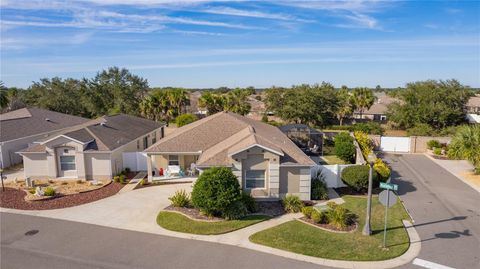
<point x="387" y="200"/>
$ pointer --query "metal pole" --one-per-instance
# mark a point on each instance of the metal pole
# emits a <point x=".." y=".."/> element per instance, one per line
<point x="386" y="214"/>
<point x="366" y="228"/>
<point x="1" y="176"/>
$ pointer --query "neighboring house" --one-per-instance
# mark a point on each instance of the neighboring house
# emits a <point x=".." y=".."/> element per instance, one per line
<point x="93" y="150"/>
<point x="473" y="109"/>
<point x="193" y="106"/>
<point x="21" y="127"/>
<point x="378" y="111"/>
<point x="267" y="163"/>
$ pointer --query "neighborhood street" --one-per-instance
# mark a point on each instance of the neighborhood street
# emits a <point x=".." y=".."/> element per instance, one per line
<point x="65" y="244"/>
<point x="445" y="211"/>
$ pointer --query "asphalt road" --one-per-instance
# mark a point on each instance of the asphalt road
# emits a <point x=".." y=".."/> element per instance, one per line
<point x="73" y="245"/>
<point x="446" y="211"/>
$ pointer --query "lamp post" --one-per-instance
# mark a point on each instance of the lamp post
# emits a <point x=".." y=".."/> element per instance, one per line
<point x="371" y="160"/>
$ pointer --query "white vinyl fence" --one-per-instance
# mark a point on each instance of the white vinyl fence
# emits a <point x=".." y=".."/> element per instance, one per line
<point x="136" y="161"/>
<point x="395" y="144"/>
<point x="331" y="174"/>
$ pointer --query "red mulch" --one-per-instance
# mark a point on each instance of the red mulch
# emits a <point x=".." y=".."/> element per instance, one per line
<point x="15" y="198"/>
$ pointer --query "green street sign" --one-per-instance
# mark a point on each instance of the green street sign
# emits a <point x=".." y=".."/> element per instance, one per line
<point x="389" y="186"/>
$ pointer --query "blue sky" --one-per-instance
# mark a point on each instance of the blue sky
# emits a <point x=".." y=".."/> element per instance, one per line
<point x="195" y="43"/>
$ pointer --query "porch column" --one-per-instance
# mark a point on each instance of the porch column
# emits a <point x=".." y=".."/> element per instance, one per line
<point x="149" y="168"/>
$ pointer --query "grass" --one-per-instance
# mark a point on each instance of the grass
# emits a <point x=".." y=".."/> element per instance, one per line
<point x="179" y="223"/>
<point x="331" y="159"/>
<point x="298" y="237"/>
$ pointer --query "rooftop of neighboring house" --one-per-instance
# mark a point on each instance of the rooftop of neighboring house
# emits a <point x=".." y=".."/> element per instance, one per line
<point x="474" y="101"/>
<point x="257" y="106"/>
<point x="26" y="122"/>
<point x="380" y="106"/>
<point x="217" y="137"/>
<point x="106" y="133"/>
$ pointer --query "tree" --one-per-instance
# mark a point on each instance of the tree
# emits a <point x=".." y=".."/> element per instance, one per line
<point x="213" y="102"/>
<point x="344" y="147"/>
<point x="185" y="119"/>
<point x="114" y="90"/>
<point x="3" y="96"/>
<point x="363" y="99"/>
<point x="437" y="103"/>
<point x="236" y="101"/>
<point x="345" y="104"/>
<point x="466" y="145"/>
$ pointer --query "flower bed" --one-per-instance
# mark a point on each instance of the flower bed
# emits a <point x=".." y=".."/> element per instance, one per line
<point x="352" y="227"/>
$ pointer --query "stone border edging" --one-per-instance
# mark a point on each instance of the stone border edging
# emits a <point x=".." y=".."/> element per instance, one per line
<point x="185" y="215"/>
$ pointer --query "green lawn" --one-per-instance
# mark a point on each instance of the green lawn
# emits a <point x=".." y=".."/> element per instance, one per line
<point x="331" y="159"/>
<point x="179" y="223"/>
<point x="301" y="238"/>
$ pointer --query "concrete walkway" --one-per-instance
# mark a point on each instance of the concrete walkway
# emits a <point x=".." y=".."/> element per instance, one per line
<point x="134" y="182"/>
<point x="137" y="211"/>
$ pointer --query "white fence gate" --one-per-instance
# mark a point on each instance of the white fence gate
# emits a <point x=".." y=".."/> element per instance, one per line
<point x="136" y="161"/>
<point x="395" y="144"/>
<point x="331" y="173"/>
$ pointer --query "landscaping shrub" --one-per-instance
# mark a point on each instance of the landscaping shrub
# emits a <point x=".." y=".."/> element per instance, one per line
<point x="356" y="177"/>
<point x="307" y="211"/>
<point x="121" y="179"/>
<point x="332" y="205"/>
<point x="434" y="144"/>
<point x="369" y="128"/>
<point x="319" y="187"/>
<point x="215" y="190"/>
<point x="249" y="202"/>
<point x="364" y="142"/>
<point x="344" y="147"/>
<point x="32" y="190"/>
<point x="185" y="119"/>
<point x="235" y="210"/>
<point x="292" y="203"/>
<point x="180" y="199"/>
<point x="116" y="178"/>
<point x="338" y="216"/>
<point x="437" y="151"/>
<point x="49" y="191"/>
<point x="420" y="129"/>
<point x="316" y="216"/>
<point x="382" y="169"/>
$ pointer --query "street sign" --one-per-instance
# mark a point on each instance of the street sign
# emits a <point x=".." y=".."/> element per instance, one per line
<point x="389" y="186"/>
<point x="387" y="198"/>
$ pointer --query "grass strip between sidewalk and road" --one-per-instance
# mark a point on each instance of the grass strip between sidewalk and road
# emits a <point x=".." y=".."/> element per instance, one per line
<point x="179" y="223"/>
<point x="301" y="238"/>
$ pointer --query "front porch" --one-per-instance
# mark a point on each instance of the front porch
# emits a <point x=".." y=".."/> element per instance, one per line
<point x="172" y="166"/>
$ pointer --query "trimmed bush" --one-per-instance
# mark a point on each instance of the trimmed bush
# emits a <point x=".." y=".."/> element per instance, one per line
<point x="215" y="190"/>
<point x="319" y="187"/>
<point x="235" y="210"/>
<point x="356" y="177"/>
<point x="382" y="169"/>
<point x="316" y="216"/>
<point x="433" y="144"/>
<point x="121" y="179"/>
<point x="49" y="191"/>
<point x="292" y="203"/>
<point x="116" y="178"/>
<point x="185" y="119"/>
<point x="180" y="199"/>
<point x="249" y="202"/>
<point x="437" y="151"/>
<point x="420" y="129"/>
<point x="344" y="147"/>
<point x="338" y="216"/>
<point x="307" y="211"/>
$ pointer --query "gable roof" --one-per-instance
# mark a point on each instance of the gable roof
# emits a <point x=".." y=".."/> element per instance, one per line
<point x="217" y="137"/>
<point x="32" y="121"/>
<point x="106" y="133"/>
<point x="474" y="101"/>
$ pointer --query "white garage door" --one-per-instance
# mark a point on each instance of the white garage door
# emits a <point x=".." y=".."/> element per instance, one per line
<point x="395" y="144"/>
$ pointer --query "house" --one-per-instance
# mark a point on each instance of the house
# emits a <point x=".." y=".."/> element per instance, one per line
<point x="92" y="150"/>
<point x="378" y="111"/>
<point x="193" y="107"/>
<point x="267" y="163"/>
<point x="22" y="127"/>
<point x="473" y="109"/>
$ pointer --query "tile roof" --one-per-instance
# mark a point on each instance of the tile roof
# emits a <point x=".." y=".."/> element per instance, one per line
<point x="33" y="121"/>
<point x="218" y="136"/>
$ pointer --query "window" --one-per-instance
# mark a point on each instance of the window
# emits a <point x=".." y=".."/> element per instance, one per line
<point x="67" y="163"/>
<point x="255" y="179"/>
<point x="173" y="160"/>
<point x="138" y="144"/>
<point x="145" y="142"/>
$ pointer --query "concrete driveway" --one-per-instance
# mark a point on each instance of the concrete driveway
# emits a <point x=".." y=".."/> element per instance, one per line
<point x="134" y="210"/>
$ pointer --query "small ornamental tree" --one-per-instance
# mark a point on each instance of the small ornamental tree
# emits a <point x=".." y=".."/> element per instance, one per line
<point x="356" y="177"/>
<point x="344" y="147"/>
<point x="216" y="191"/>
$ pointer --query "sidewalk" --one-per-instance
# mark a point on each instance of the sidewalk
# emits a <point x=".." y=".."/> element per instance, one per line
<point x="458" y="168"/>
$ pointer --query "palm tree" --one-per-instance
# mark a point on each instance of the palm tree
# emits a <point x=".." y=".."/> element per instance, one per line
<point x="236" y="102"/>
<point x="178" y="99"/>
<point x="466" y="145"/>
<point x="212" y="102"/>
<point x="345" y="104"/>
<point x="363" y="99"/>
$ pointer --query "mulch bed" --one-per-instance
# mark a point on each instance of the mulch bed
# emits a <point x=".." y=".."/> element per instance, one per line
<point x="270" y="208"/>
<point x="350" y="228"/>
<point x="192" y="212"/>
<point x="15" y="198"/>
<point x="349" y="191"/>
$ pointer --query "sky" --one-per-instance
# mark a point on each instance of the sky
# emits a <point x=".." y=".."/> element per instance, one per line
<point x="201" y="44"/>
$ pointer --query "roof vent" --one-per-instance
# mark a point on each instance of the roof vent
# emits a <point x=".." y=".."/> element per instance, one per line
<point x="47" y="119"/>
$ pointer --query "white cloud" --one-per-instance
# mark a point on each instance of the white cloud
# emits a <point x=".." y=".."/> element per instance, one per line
<point x="251" y="13"/>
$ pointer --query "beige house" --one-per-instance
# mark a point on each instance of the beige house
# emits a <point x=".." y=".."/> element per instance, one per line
<point x="22" y="127"/>
<point x="267" y="163"/>
<point x="93" y="150"/>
